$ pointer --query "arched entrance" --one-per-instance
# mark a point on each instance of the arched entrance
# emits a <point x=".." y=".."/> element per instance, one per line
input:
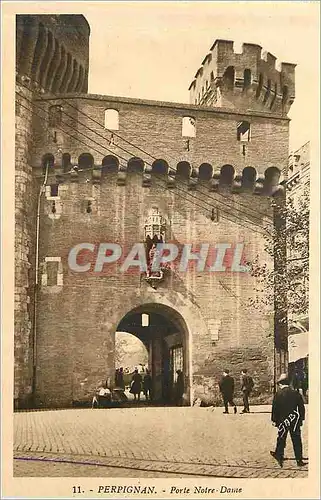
<point x="165" y="336"/>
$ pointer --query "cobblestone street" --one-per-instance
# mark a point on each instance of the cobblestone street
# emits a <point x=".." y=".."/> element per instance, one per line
<point x="149" y="442"/>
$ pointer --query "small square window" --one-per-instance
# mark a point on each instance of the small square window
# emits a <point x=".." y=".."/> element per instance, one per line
<point x="243" y="131"/>
<point x="54" y="190"/>
<point x="112" y="119"/>
<point x="145" y="319"/>
<point x="188" y="126"/>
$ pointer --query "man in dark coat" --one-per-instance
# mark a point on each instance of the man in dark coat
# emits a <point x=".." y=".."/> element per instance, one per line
<point x="288" y="414"/>
<point x="246" y="387"/>
<point x="136" y="385"/>
<point x="119" y="379"/>
<point x="147" y="385"/>
<point x="179" y="388"/>
<point x="226" y="386"/>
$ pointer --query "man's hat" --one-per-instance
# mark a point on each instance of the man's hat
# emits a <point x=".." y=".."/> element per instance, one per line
<point x="283" y="379"/>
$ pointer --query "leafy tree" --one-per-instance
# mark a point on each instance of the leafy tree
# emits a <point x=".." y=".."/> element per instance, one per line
<point x="285" y="285"/>
<point x="129" y="350"/>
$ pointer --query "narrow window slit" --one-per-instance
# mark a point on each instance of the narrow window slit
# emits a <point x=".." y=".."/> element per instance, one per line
<point x="54" y="190"/>
<point x="215" y="215"/>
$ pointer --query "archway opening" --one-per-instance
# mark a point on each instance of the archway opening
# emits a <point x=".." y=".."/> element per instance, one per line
<point x="163" y="351"/>
<point x="130" y="354"/>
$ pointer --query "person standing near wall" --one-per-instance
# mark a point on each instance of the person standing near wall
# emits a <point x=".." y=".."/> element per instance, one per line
<point x="120" y="381"/>
<point x="226" y="386"/>
<point x="247" y="385"/>
<point x="116" y="377"/>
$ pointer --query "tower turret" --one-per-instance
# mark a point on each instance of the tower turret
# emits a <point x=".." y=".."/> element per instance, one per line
<point x="245" y="81"/>
<point x="53" y="51"/>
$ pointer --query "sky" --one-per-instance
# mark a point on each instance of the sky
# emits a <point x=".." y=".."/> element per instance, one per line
<point x="152" y="50"/>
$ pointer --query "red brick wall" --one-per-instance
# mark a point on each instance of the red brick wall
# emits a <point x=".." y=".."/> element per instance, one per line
<point x="157" y="128"/>
<point x="77" y="320"/>
<point x="42" y="45"/>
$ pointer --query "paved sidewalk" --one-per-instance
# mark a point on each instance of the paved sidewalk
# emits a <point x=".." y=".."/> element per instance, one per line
<point x="164" y="441"/>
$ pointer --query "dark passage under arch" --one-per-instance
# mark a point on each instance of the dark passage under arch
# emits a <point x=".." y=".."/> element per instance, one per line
<point x="164" y="334"/>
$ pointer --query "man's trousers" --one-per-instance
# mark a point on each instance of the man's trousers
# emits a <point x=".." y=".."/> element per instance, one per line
<point x="228" y="399"/>
<point x="246" y="400"/>
<point x="296" y="441"/>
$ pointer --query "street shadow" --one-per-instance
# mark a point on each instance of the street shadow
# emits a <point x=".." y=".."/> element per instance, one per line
<point x="257" y="412"/>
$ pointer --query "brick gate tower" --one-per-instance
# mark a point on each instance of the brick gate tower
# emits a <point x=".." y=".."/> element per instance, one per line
<point x="51" y="55"/>
<point x="95" y="171"/>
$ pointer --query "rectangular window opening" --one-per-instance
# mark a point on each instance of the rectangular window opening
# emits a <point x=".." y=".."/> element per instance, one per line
<point x="244" y="131"/>
<point x="188" y="126"/>
<point x="52" y="273"/>
<point x="54" y="190"/>
<point x="145" y="319"/>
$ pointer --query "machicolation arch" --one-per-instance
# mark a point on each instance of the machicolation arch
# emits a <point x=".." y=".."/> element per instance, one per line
<point x="227" y="177"/>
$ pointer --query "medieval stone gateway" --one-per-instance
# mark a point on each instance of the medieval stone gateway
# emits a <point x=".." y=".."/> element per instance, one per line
<point x="96" y="168"/>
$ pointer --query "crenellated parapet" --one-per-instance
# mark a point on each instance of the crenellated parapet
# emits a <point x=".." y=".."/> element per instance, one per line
<point x="222" y="178"/>
<point x="53" y="51"/>
<point x="248" y="81"/>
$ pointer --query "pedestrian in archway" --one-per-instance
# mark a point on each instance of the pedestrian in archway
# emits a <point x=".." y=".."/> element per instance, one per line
<point x="247" y="385"/>
<point x="120" y="379"/>
<point x="116" y="376"/>
<point x="119" y="390"/>
<point x="147" y="385"/>
<point x="179" y="388"/>
<point x="136" y="385"/>
<point x="226" y="386"/>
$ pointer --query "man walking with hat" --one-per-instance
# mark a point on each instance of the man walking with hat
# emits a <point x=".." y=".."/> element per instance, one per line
<point x="288" y="414"/>
<point x="226" y="386"/>
<point x="247" y="385"/>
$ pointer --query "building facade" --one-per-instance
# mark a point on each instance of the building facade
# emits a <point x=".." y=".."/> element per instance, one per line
<point x="95" y="170"/>
<point x="298" y="191"/>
